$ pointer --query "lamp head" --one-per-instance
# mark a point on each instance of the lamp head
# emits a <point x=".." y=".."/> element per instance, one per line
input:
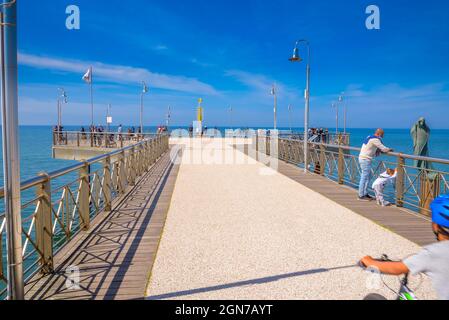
<point x="295" y="57"/>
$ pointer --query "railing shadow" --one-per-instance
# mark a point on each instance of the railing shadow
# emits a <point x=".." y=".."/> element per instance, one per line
<point x="256" y="281"/>
<point x="105" y="256"/>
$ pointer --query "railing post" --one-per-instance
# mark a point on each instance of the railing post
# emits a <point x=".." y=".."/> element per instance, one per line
<point x="322" y="159"/>
<point x="132" y="166"/>
<point x="107" y="184"/>
<point x="78" y="138"/>
<point x="159" y="147"/>
<point x="84" y="192"/>
<point x="44" y="226"/>
<point x="153" y="151"/>
<point x="400" y="182"/>
<point x="91" y="139"/>
<point x="429" y="189"/>
<point x="140" y="159"/>
<point x="257" y="142"/>
<point x="123" y="175"/>
<point x="147" y="155"/>
<point x="267" y="147"/>
<point x="341" y="165"/>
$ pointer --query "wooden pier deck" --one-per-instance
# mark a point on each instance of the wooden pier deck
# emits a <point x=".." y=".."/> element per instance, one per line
<point x="116" y="256"/>
<point x="401" y="221"/>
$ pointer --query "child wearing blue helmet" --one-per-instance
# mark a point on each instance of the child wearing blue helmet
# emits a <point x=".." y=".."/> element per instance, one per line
<point x="433" y="260"/>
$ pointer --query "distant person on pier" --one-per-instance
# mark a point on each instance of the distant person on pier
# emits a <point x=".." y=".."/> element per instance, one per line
<point x="119" y="131"/>
<point x="100" y="131"/>
<point x="372" y="147"/>
<point x="83" y="134"/>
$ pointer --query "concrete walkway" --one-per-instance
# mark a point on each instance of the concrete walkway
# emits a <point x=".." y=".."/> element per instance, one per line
<point x="243" y="231"/>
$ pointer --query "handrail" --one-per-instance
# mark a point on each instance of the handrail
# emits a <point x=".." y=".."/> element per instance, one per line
<point x="415" y="186"/>
<point x="66" y="170"/>
<point x="394" y="154"/>
<point x="55" y="210"/>
<point x="108" y="132"/>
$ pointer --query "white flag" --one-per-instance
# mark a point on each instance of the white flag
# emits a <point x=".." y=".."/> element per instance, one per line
<point x="88" y="76"/>
<point x="145" y="88"/>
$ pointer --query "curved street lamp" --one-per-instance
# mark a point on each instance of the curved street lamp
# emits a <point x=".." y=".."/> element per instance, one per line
<point x="62" y="98"/>
<point x="335" y="106"/>
<point x="342" y="100"/>
<point x="144" y="91"/>
<point x="274" y="94"/>
<point x="297" y="58"/>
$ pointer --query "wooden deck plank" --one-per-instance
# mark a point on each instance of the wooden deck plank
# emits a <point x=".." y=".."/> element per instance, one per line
<point x="116" y="255"/>
<point x="402" y="221"/>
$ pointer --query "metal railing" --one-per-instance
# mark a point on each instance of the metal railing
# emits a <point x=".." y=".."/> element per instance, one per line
<point x="327" y="138"/>
<point x="415" y="187"/>
<point x="58" y="205"/>
<point x="112" y="140"/>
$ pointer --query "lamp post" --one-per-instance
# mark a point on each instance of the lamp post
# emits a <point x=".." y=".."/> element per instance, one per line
<point x="335" y="105"/>
<point x="62" y="96"/>
<point x="11" y="158"/>
<point x="144" y="90"/>
<point x="274" y="94"/>
<point x="230" y="116"/>
<point x="342" y="100"/>
<point x="108" y="118"/>
<point x="290" y="117"/>
<point x="168" y="117"/>
<point x="297" y="58"/>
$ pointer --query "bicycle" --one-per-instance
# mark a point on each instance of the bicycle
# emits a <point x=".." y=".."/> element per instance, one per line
<point x="404" y="293"/>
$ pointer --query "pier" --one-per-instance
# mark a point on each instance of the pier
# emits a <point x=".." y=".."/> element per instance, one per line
<point x="216" y="218"/>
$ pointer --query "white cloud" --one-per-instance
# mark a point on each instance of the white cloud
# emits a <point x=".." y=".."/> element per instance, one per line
<point x="160" y="47"/>
<point x="390" y="105"/>
<point x="119" y="73"/>
<point x="261" y="84"/>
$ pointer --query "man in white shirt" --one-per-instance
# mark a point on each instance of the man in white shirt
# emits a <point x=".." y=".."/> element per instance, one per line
<point x="372" y="147"/>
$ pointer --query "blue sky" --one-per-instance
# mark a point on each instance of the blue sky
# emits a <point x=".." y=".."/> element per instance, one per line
<point x="230" y="53"/>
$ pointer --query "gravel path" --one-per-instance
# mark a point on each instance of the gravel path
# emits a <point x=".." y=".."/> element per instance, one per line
<point x="234" y="233"/>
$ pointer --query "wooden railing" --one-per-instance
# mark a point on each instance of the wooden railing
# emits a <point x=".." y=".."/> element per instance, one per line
<point x="58" y="205"/>
<point x="415" y="187"/>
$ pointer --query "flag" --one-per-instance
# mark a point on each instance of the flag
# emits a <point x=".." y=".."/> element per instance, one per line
<point x="88" y="76"/>
<point x="145" y="88"/>
<point x="273" y="91"/>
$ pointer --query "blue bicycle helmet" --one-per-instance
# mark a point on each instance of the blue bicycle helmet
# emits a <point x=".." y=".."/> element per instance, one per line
<point x="440" y="211"/>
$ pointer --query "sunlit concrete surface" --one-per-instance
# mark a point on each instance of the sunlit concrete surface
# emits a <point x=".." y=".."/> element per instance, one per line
<point x="238" y="232"/>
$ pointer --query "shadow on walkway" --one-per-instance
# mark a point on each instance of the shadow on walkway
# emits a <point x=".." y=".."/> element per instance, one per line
<point x="245" y="283"/>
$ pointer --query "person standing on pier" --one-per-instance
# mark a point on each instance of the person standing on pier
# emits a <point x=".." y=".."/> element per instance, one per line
<point x="372" y="147"/>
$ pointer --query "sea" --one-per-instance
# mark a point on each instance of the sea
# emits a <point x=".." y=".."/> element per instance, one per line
<point x="36" y="146"/>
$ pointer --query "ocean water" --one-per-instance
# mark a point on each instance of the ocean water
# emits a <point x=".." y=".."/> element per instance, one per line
<point x="36" y="143"/>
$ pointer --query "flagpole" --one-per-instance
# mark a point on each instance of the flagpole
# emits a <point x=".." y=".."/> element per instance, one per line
<point x="91" y="97"/>
<point x="141" y="112"/>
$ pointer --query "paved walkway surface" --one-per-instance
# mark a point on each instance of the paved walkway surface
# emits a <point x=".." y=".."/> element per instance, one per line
<point x="244" y="231"/>
<point x="115" y="257"/>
